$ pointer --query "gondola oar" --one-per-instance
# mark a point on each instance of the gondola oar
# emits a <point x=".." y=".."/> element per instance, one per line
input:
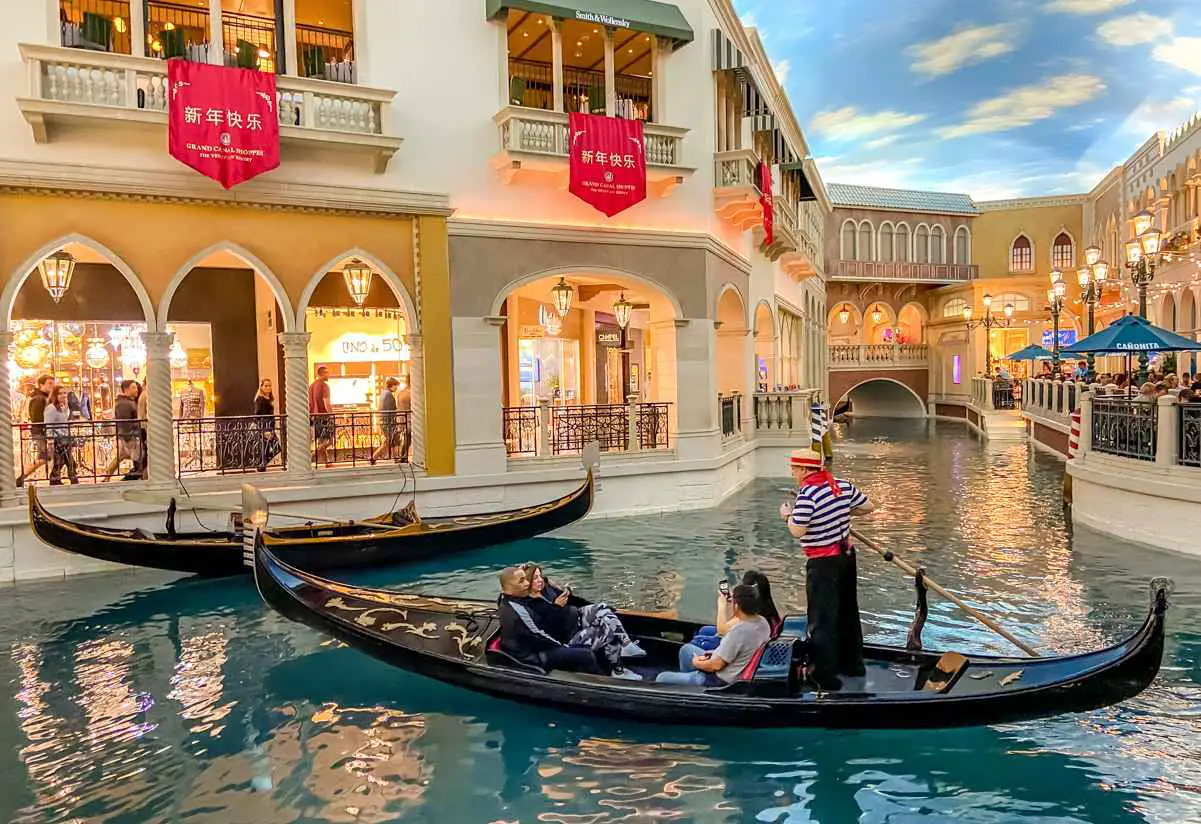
<point x="910" y="570"/>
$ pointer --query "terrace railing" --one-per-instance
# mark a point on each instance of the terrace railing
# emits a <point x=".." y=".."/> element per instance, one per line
<point x="1128" y="428"/>
<point x="360" y="438"/>
<point x="80" y="451"/>
<point x="230" y="445"/>
<point x="547" y="430"/>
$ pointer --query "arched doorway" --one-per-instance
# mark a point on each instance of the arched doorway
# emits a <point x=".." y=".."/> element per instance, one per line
<point x="362" y="345"/>
<point x="77" y="316"/>
<point x="911" y="324"/>
<point x="731" y="360"/>
<point x="587" y="355"/>
<point x="767" y="362"/>
<point x="879" y="323"/>
<point x="223" y="308"/>
<point x="844" y="323"/>
<point x="1167" y="312"/>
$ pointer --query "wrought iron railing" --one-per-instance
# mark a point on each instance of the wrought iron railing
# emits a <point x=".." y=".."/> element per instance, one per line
<point x="1190" y="434"/>
<point x="252" y="42"/>
<point x="653" y="425"/>
<point x="176" y="30"/>
<point x="360" y="438"/>
<point x="327" y="54"/>
<point x="531" y="84"/>
<point x="232" y="445"/>
<point x="1125" y="427"/>
<point x="97" y="25"/>
<point x="731" y="415"/>
<point x="521" y="430"/>
<point x="572" y="427"/>
<point x="79" y="451"/>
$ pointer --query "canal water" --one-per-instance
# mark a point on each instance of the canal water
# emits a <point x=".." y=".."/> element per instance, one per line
<point x="131" y="698"/>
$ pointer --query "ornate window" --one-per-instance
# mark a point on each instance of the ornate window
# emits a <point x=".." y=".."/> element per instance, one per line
<point x="954" y="307"/>
<point x="864" y="251"/>
<point x="1020" y="302"/>
<point x="938" y="245"/>
<point x="963" y="246"/>
<point x="1021" y="255"/>
<point x="1063" y="253"/>
<point x="921" y="244"/>
<point x="903" y="236"/>
<point x="848" y="241"/>
<point x="887" y="252"/>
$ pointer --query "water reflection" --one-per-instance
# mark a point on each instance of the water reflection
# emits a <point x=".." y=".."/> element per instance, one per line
<point x="192" y="702"/>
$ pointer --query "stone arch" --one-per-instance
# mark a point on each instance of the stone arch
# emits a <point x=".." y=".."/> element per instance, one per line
<point x="966" y="233"/>
<point x="915" y="310"/>
<point x="920" y="410"/>
<point x="381" y="268"/>
<point x="17" y="279"/>
<point x="763" y="312"/>
<point x="260" y="269"/>
<point x="502" y="295"/>
<point x="1167" y="312"/>
<point x="1188" y="311"/>
<point x="725" y="289"/>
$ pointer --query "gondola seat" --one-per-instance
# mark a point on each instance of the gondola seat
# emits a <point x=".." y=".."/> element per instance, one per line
<point x="497" y="657"/>
<point x="776" y="667"/>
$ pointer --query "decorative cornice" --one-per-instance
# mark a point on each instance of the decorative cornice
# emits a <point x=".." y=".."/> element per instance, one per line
<point x="151" y="185"/>
<point x="473" y="227"/>
<point x="1031" y="202"/>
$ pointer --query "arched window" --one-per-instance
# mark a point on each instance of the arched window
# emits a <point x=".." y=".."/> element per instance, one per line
<point x="954" y="307"/>
<point x="938" y="245"/>
<point x="963" y="246"/>
<point x="864" y="250"/>
<point x="903" y="235"/>
<point x="921" y="244"/>
<point x="1063" y="253"/>
<point x="1020" y="302"/>
<point x="1021" y="255"/>
<point x="848" y="240"/>
<point x="887" y="252"/>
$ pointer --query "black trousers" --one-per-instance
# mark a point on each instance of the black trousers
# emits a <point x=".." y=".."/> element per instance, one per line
<point x="835" y="634"/>
<point x="573" y="659"/>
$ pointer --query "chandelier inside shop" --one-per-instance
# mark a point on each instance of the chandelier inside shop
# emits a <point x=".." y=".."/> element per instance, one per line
<point x="56" y="271"/>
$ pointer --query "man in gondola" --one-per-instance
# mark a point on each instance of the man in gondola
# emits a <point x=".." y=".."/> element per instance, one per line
<point x="522" y="638"/>
<point x="820" y="518"/>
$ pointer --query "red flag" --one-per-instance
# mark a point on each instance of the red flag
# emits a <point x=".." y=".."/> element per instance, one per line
<point x="769" y="204"/>
<point x="222" y="122"/>
<point x="607" y="159"/>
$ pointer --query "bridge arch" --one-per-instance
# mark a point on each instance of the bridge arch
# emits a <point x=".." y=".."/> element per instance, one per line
<point x="873" y="395"/>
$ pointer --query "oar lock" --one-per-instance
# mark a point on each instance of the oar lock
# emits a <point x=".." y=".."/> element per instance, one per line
<point x="888" y="556"/>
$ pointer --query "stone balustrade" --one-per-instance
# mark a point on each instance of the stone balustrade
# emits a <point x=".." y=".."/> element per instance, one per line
<point x="877" y="355"/>
<point x="537" y="131"/>
<point x="784" y="413"/>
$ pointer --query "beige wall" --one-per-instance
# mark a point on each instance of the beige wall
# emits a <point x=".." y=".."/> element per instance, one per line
<point x="834" y="223"/>
<point x="996" y="230"/>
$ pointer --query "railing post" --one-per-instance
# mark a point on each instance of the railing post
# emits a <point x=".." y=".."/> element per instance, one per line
<point x="159" y="459"/>
<point x="1086" y="424"/>
<point x="988" y="394"/>
<point x="416" y="422"/>
<point x="632" y="442"/>
<point x="1168" y="437"/>
<point x="8" y="455"/>
<point x="543" y="448"/>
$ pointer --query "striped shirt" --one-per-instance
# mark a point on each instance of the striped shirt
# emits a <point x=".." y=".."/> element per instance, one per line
<point x="827" y="520"/>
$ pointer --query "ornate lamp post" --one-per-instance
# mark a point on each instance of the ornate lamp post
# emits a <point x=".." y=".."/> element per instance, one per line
<point x="1055" y="297"/>
<point x="1092" y="278"/>
<point x="989" y="322"/>
<point x="1143" y="257"/>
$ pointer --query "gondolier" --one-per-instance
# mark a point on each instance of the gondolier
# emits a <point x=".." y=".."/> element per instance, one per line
<point x="820" y="518"/>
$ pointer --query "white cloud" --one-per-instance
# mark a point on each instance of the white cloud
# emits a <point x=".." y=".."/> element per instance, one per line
<point x="1154" y="115"/>
<point x="782" y="68"/>
<point x="1086" y="6"/>
<point x="889" y="174"/>
<point x="963" y="47"/>
<point x="1026" y="104"/>
<point x="881" y="142"/>
<point x="1134" y="29"/>
<point x="848" y="123"/>
<point x="748" y="20"/>
<point x="1182" y="52"/>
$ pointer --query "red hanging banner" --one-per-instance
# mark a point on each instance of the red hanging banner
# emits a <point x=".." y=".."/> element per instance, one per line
<point x="222" y="122"/>
<point x="607" y="159"/>
<point x="768" y="202"/>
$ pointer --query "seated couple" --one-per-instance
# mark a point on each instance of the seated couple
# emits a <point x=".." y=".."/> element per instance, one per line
<point x="539" y="627"/>
<point x="745" y="634"/>
<point x="708" y="637"/>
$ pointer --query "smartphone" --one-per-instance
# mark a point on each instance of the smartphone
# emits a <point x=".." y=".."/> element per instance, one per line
<point x="724" y="588"/>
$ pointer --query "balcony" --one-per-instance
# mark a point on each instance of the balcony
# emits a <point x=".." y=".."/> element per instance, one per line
<point x="867" y="270"/>
<point x="73" y="86"/>
<point x="790" y="247"/>
<point x="879" y="356"/>
<point x="533" y="146"/>
<point x="736" y="189"/>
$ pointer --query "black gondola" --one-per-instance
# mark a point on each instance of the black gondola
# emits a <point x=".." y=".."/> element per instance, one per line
<point x="456" y="641"/>
<point x="387" y="539"/>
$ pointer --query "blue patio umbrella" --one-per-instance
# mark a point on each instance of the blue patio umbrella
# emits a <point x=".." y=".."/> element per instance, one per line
<point x="1131" y="335"/>
<point x="1031" y="353"/>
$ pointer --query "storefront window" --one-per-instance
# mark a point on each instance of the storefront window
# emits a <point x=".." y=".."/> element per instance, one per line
<point x="362" y="348"/>
<point x="549" y="368"/>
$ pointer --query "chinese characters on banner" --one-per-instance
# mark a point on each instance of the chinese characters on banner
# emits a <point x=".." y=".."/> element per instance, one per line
<point x="607" y="161"/>
<point x="222" y="122"/>
<point x="769" y="204"/>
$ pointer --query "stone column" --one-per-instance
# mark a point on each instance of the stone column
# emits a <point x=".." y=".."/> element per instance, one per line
<point x="296" y="401"/>
<point x="1086" y="425"/>
<point x="8" y="452"/>
<point x="1168" y="438"/>
<point x="417" y="399"/>
<point x="160" y="434"/>
<point x="478" y="413"/>
<point x="698" y="428"/>
<point x="556" y="61"/>
<point x="610" y="76"/>
<point x="216" y="34"/>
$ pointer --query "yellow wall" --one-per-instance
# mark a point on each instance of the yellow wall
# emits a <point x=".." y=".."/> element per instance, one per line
<point x="993" y="232"/>
<point x="437" y="344"/>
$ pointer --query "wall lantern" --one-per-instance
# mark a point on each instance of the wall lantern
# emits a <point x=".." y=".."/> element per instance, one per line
<point x="844" y="314"/>
<point x="622" y="310"/>
<point x="56" y="273"/>
<point x="877" y="315"/>
<point x="358" y="280"/>
<point x="562" y="294"/>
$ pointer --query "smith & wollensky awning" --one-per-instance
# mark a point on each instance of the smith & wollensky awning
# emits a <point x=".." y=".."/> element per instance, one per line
<point x="660" y="19"/>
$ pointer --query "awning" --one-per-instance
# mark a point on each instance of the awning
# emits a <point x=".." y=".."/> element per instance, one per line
<point x="660" y="19"/>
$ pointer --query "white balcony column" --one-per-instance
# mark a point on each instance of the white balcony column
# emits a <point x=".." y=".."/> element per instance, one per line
<point x="160" y="426"/>
<point x="296" y="401"/>
<point x="216" y="34"/>
<point x="556" y="50"/>
<point x="291" y="42"/>
<point x="1167" y="444"/>
<point x="478" y="385"/>
<point x="610" y="75"/>
<point x="8" y="453"/>
<point x="137" y="29"/>
<point x="417" y="401"/>
<point x="659" y="80"/>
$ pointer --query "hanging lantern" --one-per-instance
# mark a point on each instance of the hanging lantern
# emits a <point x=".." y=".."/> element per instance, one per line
<point x="96" y="355"/>
<point x="877" y="315"/>
<point x="844" y="314"/>
<point x="562" y="294"/>
<point x="56" y="273"/>
<point x="358" y="280"/>
<point x="177" y="356"/>
<point x="622" y="310"/>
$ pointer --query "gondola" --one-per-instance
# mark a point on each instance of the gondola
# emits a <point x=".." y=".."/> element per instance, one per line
<point x="387" y="539"/>
<point x="456" y="641"/>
